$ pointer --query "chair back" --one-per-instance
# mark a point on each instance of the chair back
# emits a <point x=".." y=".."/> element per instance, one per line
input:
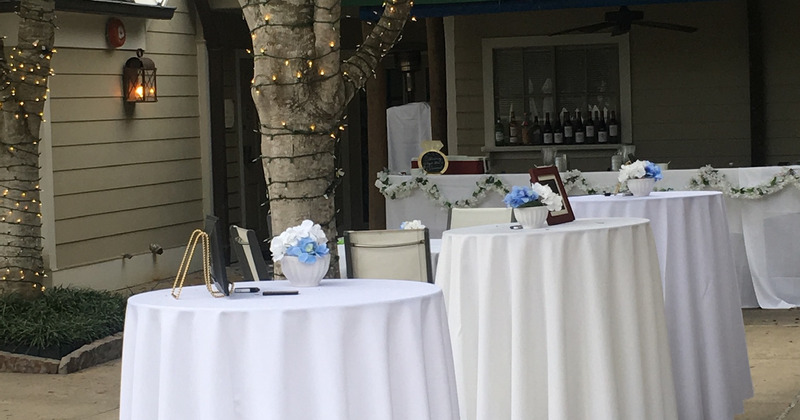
<point x="389" y="254"/>
<point x="245" y="243"/>
<point x="464" y="217"/>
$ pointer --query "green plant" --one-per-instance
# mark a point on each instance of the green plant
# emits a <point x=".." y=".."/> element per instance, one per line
<point x="61" y="317"/>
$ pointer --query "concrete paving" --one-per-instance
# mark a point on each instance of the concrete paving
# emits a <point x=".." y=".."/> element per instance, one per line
<point x="773" y="343"/>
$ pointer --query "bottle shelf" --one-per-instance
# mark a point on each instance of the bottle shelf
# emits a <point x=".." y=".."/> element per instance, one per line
<point x="559" y="147"/>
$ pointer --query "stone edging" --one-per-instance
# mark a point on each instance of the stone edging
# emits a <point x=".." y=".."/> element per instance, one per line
<point x="95" y="353"/>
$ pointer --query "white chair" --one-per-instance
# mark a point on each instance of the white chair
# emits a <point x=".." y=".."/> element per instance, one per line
<point x="389" y="254"/>
<point x="464" y="217"/>
<point x="245" y="243"/>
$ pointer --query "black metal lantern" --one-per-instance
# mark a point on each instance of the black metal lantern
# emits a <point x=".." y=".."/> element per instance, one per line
<point x="139" y="79"/>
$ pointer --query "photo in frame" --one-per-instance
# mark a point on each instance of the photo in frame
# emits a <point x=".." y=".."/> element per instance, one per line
<point x="548" y="175"/>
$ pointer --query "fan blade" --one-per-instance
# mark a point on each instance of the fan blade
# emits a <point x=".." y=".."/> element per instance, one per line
<point x="586" y="29"/>
<point x="670" y="26"/>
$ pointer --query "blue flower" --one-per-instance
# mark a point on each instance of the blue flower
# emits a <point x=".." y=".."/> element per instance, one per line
<point x="520" y="196"/>
<point x="651" y="170"/>
<point x="307" y="250"/>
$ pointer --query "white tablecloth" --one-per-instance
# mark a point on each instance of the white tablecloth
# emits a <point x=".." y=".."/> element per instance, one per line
<point x="771" y="226"/>
<point x="348" y="350"/>
<point x="762" y="230"/>
<point x="556" y="323"/>
<point x="704" y="319"/>
<point x="458" y="187"/>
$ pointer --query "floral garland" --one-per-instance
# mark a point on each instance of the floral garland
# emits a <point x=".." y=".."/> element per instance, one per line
<point x="403" y="189"/>
<point x="574" y="180"/>
<point x="708" y="177"/>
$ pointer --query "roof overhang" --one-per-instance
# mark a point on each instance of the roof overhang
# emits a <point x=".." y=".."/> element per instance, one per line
<point x="103" y="7"/>
<point x="372" y="9"/>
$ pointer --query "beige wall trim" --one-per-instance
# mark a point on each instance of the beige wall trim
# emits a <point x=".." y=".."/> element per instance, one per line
<point x="450" y="66"/>
<point x="122" y="273"/>
<point x="204" y="108"/>
<point x="46" y="195"/>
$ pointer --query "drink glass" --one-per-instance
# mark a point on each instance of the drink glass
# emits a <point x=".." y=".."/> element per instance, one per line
<point x="626" y="150"/>
<point x="548" y="156"/>
<point x="561" y="163"/>
<point x="616" y="162"/>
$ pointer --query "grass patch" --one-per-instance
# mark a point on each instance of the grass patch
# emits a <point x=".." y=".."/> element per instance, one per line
<point x="60" y="321"/>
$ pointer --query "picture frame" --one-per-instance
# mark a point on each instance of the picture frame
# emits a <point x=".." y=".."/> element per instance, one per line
<point x="218" y="274"/>
<point x="433" y="162"/>
<point x="548" y="175"/>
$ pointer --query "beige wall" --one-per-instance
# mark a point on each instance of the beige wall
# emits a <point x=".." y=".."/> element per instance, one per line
<point x="124" y="176"/>
<point x="781" y="56"/>
<point x="690" y="92"/>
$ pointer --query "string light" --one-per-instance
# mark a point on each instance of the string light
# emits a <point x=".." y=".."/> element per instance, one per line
<point x="307" y="70"/>
<point x="23" y="91"/>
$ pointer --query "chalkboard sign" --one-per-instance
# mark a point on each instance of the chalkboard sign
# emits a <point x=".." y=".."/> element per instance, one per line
<point x="433" y="162"/>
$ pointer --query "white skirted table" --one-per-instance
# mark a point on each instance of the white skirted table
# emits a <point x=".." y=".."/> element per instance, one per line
<point x="346" y="350"/>
<point x="763" y="229"/>
<point x="562" y="322"/>
<point x="701" y="295"/>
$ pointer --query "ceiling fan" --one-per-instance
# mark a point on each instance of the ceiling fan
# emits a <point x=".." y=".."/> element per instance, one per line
<point x="621" y="22"/>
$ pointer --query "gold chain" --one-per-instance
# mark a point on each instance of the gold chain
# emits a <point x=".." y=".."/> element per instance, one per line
<point x="197" y="236"/>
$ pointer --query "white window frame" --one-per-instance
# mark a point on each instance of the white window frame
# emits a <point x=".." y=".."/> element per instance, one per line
<point x="490" y="44"/>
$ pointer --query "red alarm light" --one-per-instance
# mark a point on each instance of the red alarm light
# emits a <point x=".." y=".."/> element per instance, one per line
<point x="115" y="32"/>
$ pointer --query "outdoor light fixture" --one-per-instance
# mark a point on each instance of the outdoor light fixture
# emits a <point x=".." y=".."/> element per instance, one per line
<point x="139" y="79"/>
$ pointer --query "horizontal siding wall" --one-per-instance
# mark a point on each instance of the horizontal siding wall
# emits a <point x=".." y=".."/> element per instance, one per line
<point x="690" y="92"/>
<point x="781" y="79"/>
<point x="126" y="176"/>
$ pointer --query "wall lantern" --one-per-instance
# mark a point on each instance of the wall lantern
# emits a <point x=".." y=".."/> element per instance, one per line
<point x="139" y="79"/>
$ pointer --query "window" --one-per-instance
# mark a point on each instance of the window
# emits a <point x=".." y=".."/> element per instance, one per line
<point x="549" y="74"/>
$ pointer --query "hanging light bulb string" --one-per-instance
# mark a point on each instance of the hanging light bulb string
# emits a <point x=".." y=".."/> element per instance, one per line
<point x="381" y="39"/>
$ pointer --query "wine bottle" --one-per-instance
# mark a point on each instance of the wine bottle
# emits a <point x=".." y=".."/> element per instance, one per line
<point x="580" y="131"/>
<point x="547" y="133"/>
<point x="590" y="133"/>
<point x="526" y="129"/>
<point x="513" y="130"/>
<point x="613" y="128"/>
<point x="499" y="133"/>
<point x="536" y="131"/>
<point x="569" y="132"/>
<point x="558" y="131"/>
<point x="602" y="130"/>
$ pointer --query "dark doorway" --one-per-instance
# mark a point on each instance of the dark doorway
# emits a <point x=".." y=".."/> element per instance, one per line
<point x="254" y="205"/>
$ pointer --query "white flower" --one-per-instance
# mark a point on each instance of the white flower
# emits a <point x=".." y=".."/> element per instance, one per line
<point x="412" y="224"/>
<point x="550" y="199"/>
<point x="291" y="236"/>
<point x="632" y="171"/>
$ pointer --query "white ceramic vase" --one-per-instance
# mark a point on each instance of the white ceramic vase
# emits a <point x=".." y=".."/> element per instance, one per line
<point x="531" y="217"/>
<point x="641" y="187"/>
<point x="301" y="274"/>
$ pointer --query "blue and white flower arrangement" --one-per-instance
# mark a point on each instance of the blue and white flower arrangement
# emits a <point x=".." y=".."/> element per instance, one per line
<point x="534" y="196"/>
<point x="412" y="224"/>
<point x="638" y="170"/>
<point x="307" y="242"/>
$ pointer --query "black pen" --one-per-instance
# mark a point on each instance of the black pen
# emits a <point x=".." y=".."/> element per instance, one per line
<point x="246" y="290"/>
